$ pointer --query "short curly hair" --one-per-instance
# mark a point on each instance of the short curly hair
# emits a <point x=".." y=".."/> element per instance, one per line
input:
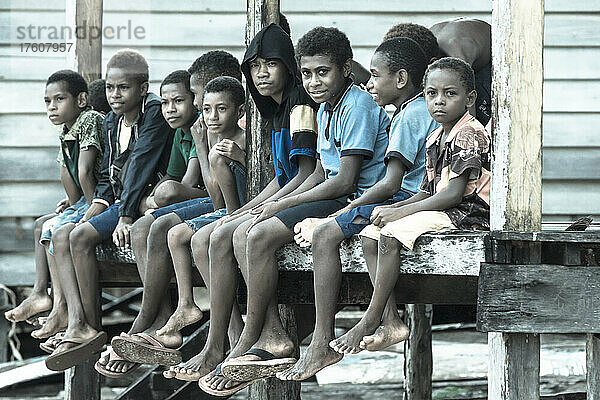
<point x="404" y="53"/>
<point x="228" y="85"/>
<point x="325" y="41"/>
<point x="465" y="73"/>
<point x="179" y="76"/>
<point x="97" y="97"/>
<point x="75" y="82"/>
<point x="419" y="34"/>
<point x="216" y="63"/>
<point x="131" y="61"/>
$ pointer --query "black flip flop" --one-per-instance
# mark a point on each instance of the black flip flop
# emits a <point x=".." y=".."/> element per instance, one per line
<point x="76" y="354"/>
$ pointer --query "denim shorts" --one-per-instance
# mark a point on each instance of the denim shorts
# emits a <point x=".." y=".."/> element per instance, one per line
<point x="71" y="215"/>
<point x="347" y="221"/>
<point x="314" y="209"/>
<point x="199" y="222"/>
<point x="239" y="174"/>
<point x="186" y="209"/>
<point x="106" y="222"/>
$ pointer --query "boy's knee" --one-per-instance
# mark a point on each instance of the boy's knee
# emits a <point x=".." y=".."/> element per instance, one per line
<point x="200" y="242"/>
<point x="327" y="235"/>
<point x="82" y="238"/>
<point x="176" y="236"/>
<point x="163" y="224"/>
<point x="259" y="237"/>
<point x="166" y="193"/>
<point x="221" y="239"/>
<point x="60" y="239"/>
<point x="141" y="227"/>
<point x="215" y="158"/>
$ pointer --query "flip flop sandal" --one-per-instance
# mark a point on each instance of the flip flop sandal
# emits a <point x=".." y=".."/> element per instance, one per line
<point x="83" y="350"/>
<point x="246" y="370"/>
<point x="52" y="342"/>
<point x="112" y="356"/>
<point x="225" y="392"/>
<point x="151" y="352"/>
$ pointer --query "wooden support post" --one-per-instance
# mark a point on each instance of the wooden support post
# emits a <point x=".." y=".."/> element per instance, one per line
<point x="82" y="381"/>
<point x="259" y="14"/>
<point x="85" y="16"/>
<point x="516" y="198"/>
<point x="593" y="367"/>
<point x="418" y="362"/>
<point x="5" y="327"/>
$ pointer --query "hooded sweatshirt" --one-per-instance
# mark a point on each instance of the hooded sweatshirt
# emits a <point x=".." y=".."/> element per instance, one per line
<point x="294" y="120"/>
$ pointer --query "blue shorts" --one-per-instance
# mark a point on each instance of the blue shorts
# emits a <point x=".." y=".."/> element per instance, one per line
<point x="239" y="174"/>
<point x="314" y="209"/>
<point x="186" y="209"/>
<point x="71" y="215"/>
<point x="106" y="222"/>
<point x="197" y="223"/>
<point x="347" y="221"/>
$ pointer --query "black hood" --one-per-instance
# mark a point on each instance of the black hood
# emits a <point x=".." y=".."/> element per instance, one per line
<point x="271" y="42"/>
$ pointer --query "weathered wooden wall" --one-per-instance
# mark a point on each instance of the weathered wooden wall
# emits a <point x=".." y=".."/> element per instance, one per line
<point x="176" y="33"/>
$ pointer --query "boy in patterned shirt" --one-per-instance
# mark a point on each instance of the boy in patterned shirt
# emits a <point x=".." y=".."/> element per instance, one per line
<point x="455" y="193"/>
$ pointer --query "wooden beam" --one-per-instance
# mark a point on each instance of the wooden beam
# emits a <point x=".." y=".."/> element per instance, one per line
<point x="516" y="197"/>
<point x="539" y="299"/>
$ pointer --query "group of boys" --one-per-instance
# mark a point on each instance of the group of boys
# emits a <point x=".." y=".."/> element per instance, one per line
<point x="168" y="173"/>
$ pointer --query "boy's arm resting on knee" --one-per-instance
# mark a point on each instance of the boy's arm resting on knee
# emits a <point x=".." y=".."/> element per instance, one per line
<point x="144" y="159"/>
<point x="300" y="182"/>
<point x="344" y="183"/>
<point x="385" y="188"/>
<point x="70" y="187"/>
<point x="85" y="167"/>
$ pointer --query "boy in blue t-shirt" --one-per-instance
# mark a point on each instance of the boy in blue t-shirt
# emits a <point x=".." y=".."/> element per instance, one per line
<point x="397" y="69"/>
<point x="352" y="139"/>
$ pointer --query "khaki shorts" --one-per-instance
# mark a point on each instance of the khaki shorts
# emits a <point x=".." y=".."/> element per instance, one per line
<point x="406" y="230"/>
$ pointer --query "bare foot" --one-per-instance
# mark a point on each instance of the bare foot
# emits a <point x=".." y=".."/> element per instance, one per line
<point x="197" y="366"/>
<point x="316" y="357"/>
<point x="182" y="317"/>
<point x="385" y="336"/>
<point x="349" y="343"/>
<point x="117" y="366"/>
<point x="57" y="321"/>
<point x="304" y="230"/>
<point x="34" y="304"/>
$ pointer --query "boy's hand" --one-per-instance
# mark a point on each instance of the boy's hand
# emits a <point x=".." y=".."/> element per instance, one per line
<point x="304" y="230"/>
<point x="95" y="209"/>
<point x="120" y="235"/>
<point x="199" y="132"/>
<point x="383" y="215"/>
<point x="265" y="212"/>
<point x="62" y="205"/>
<point x="230" y="149"/>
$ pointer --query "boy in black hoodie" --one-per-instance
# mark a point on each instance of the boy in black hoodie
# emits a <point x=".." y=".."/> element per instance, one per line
<point x="137" y="152"/>
<point x="271" y="73"/>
